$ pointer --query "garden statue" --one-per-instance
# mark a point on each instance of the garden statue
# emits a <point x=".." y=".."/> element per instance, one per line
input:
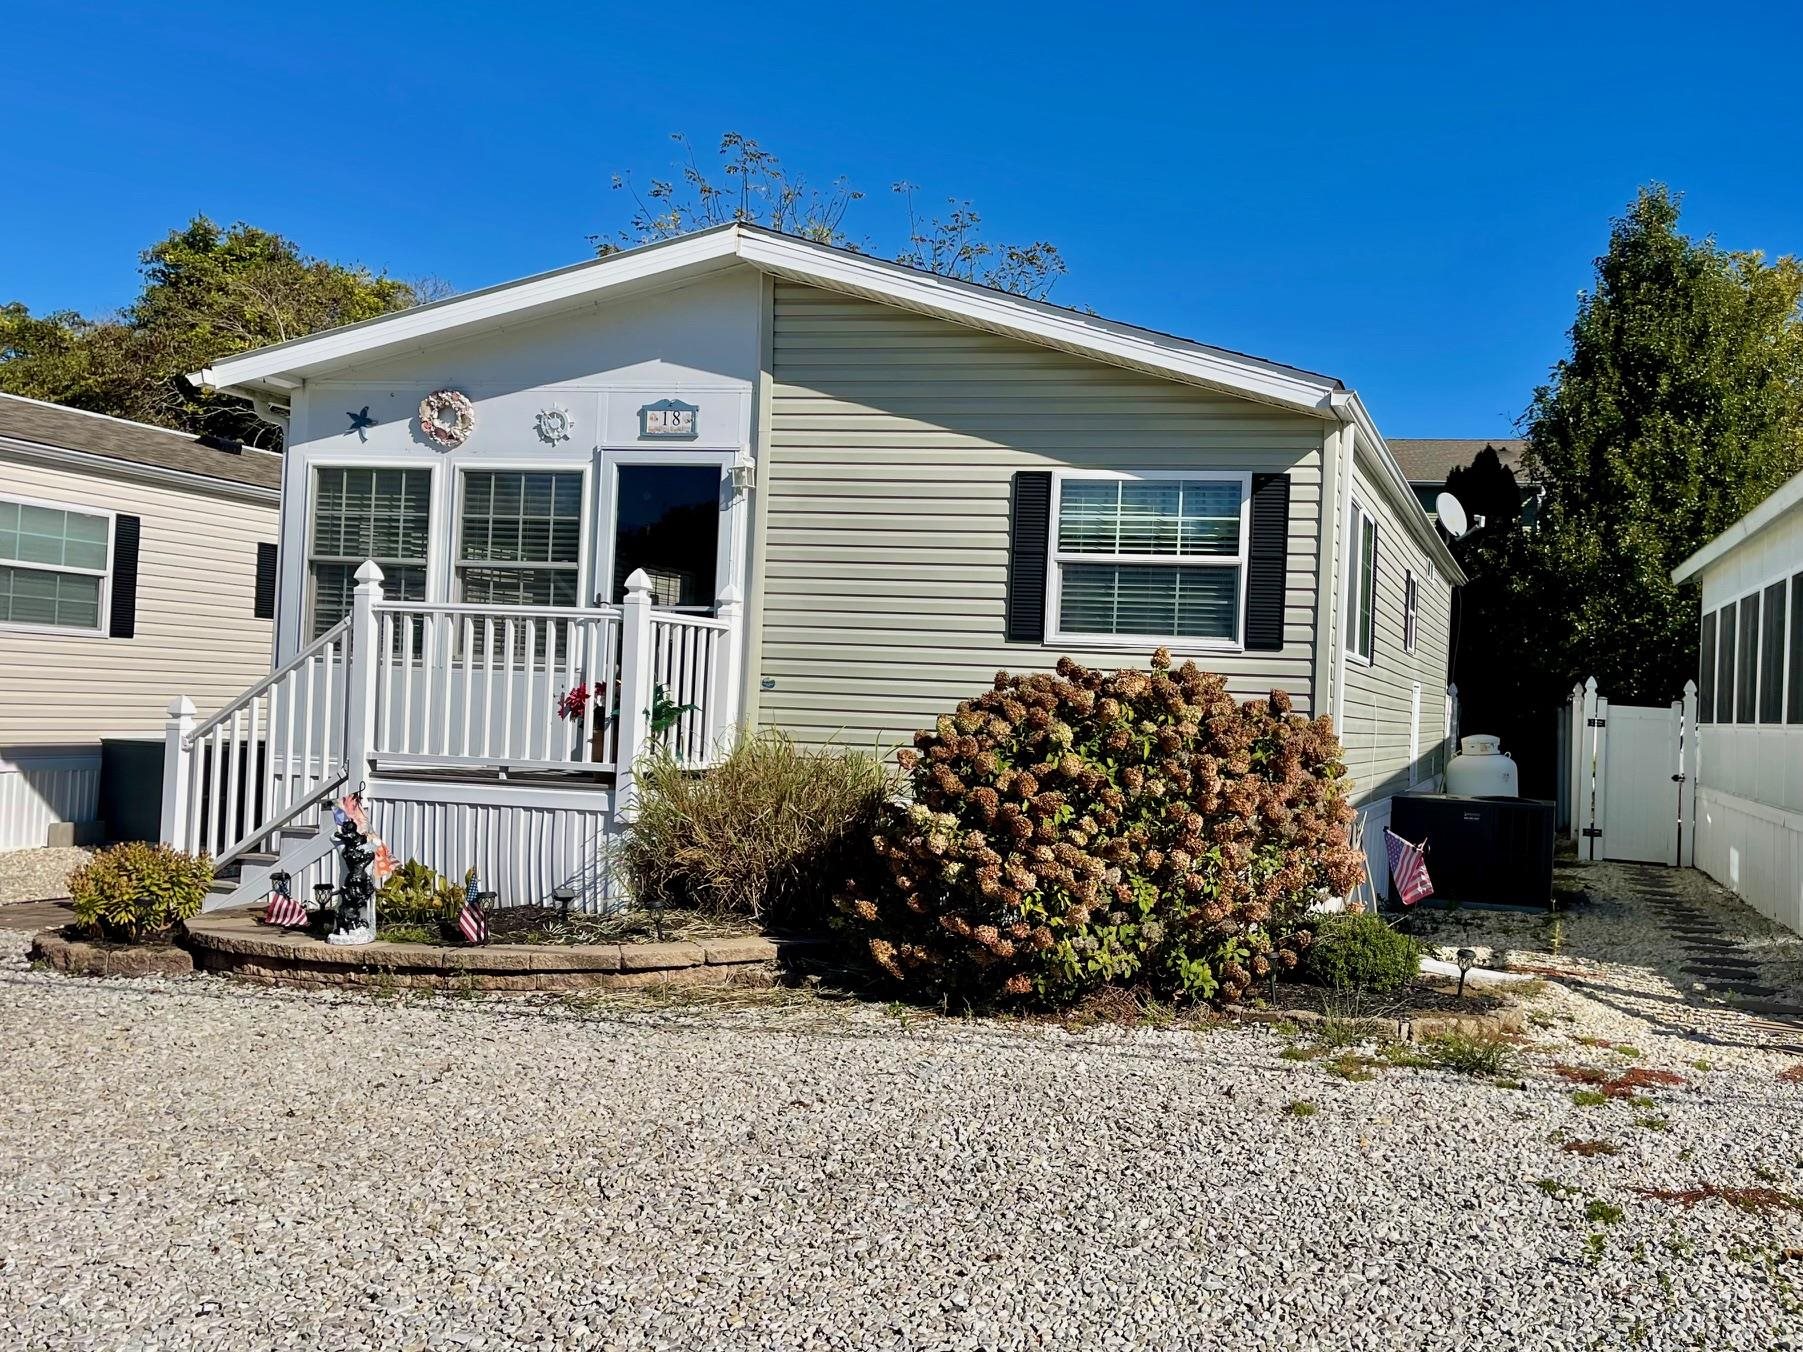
<point x="356" y="922"/>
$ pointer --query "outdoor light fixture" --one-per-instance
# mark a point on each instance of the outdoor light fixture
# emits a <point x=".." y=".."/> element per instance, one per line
<point x="322" y="896"/>
<point x="563" y="895"/>
<point x="1467" y="960"/>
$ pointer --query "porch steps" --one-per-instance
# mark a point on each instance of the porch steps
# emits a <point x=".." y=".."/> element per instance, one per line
<point x="301" y="846"/>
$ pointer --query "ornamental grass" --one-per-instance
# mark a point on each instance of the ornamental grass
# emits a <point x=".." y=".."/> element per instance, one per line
<point x="1076" y="829"/>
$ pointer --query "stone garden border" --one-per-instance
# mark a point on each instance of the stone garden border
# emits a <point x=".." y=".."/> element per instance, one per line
<point x="236" y="944"/>
<point x="83" y="957"/>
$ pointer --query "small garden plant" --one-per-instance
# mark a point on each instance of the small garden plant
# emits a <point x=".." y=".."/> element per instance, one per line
<point x="136" y="891"/>
<point x="1078" y="828"/>
<point x="1360" y="953"/>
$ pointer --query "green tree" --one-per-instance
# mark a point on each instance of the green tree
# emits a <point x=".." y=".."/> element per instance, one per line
<point x="752" y="185"/>
<point x="208" y="292"/>
<point x="1677" y="410"/>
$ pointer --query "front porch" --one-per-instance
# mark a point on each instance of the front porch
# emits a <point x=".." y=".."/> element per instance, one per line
<point x="496" y="737"/>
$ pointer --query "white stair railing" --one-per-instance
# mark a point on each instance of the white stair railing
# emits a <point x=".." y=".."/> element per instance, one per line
<point x="231" y="781"/>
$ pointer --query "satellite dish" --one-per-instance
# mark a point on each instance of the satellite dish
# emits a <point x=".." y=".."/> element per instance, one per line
<point x="1452" y="514"/>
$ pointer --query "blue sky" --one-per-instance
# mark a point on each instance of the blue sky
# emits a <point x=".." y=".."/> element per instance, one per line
<point x="1408" y="197"/>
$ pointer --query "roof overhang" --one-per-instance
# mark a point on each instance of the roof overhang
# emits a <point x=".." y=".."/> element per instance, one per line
<point x="273" y="372"/>
<point x="1788" y="496"/>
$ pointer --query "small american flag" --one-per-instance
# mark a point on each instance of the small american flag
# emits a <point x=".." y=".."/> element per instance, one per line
<point x="1408" y="869"/>
<point x="283" y="909"/>
<point x="470" y="920"/>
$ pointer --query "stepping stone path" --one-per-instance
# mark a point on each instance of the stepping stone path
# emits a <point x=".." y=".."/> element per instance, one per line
<point x="1713" y="954"/>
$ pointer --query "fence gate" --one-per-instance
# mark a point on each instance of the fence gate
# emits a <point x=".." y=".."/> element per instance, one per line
<point x="1633" y="778"/>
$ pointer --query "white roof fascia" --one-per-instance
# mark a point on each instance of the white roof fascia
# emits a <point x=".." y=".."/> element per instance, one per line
<point x="1402" y="497"/>
<point x="276" y="367"/>
<point x="113" y="467"/>
<point x="1038" y="322"/>
<point x="1785" y="497"/>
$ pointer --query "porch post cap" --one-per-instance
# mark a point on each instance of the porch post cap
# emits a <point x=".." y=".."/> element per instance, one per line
<point x="638" y="581"/>
<point x="367" y="571"/>
<point x="181" y="707"/>
<point x="729" y="595"/>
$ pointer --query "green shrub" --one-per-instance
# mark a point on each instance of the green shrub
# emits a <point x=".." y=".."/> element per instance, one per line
<point x="770" y="833"/>
<point x="138" y="891"/>
<point x="1360" y="953"/>
<point x="1082" y="828"/>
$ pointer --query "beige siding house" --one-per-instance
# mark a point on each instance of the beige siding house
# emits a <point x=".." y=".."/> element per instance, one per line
<point x="775" y="483"/>
<point x="128" y="571"/>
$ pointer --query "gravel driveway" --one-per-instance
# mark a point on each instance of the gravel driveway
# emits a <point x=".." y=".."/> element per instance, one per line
<point x="199" y="1165"/>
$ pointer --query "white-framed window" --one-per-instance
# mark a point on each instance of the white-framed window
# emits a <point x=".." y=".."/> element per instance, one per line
<point x="1361" y="585"/>
<point x="54" y="562"/>
<point x="1411" y="606"/>
<point x="519" y="537"/>
<point x="360" y="513"/>
<point x="1157" y="556"/>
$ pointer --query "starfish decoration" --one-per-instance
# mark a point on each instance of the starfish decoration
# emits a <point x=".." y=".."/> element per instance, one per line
<point x="361" y="422"/>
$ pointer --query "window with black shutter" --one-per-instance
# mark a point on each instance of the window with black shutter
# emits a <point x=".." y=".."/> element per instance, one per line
<point x="263" y="607"/>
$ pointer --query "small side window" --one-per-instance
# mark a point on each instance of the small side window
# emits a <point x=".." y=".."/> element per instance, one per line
<point x="1411" y="603"/>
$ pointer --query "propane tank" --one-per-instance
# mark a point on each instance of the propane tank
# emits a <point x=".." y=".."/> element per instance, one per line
<point x="1482" y="770"/>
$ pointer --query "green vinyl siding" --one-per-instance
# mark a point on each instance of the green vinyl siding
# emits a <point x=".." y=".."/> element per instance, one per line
<point x="893" y="439"/>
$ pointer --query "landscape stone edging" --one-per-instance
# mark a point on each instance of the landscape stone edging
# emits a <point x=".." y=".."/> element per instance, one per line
<point x="79" y="957"/>
<point x="1506" y="1021"/>
<point x="238" y="945"/>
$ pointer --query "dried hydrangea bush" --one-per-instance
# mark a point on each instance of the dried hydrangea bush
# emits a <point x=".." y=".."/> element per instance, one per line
<point x="1073" y="829"/>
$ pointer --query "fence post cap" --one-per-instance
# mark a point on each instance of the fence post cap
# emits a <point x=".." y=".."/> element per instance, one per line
<point x="1690" y="687"/>
<point x="1590" y="684"/>
<point x="368" y="572"/>
<point x="181" y="707"/>
<point x="639" y="582"/>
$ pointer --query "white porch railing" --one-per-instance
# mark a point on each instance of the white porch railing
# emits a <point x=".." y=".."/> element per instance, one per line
<point x="405" y="684"/>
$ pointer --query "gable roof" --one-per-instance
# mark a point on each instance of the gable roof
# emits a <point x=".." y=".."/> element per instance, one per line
<point x="273" y="372"/>
<point x="34" y="423"/>
<point x="1430" y="460"/>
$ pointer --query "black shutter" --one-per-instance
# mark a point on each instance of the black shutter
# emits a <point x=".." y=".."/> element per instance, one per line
<point x="1029" y="538"/>
<point x="263" y="608"/>
<point x="1267" y="560"/>
<point x="123" y="621"/>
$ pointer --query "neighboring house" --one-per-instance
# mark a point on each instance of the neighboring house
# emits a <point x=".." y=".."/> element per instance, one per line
<point x="129" y="563"/>
<point x="1428" y="463"/>
<point x="848" y="492"/>
<point x="1749" y="813"/>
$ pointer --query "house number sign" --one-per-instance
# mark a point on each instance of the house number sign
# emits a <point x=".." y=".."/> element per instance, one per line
<point x="668" y="420"/>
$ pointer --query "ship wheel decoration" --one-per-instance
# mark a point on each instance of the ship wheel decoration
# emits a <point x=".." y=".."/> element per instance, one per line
<point x="555" y="424"/>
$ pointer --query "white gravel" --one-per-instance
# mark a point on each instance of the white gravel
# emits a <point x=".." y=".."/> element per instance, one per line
<point x="35" y="875"/>
<point x="200" y="1165"/>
